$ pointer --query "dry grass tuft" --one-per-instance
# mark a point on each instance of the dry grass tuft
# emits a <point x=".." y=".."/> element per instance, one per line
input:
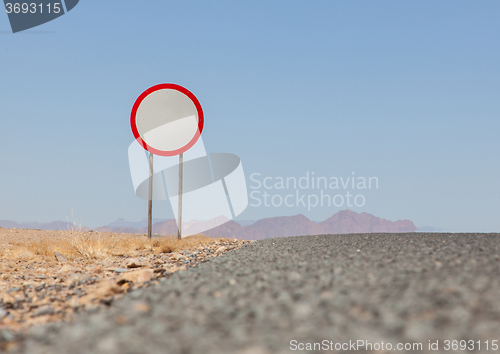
<point x="172" y="244"/>
<point x="90" y="246"/>
<point x="101" y="245"/>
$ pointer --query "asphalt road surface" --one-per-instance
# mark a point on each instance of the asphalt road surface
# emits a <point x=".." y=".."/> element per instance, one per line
<point x="277" y="295"/>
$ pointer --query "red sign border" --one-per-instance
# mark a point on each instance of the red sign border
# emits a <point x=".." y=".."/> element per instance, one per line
<point x="149" y="91"/>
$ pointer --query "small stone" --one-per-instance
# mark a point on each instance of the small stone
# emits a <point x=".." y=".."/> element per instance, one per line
<point x="177" y="256"/>
<point x="107" y="262"/>
<point x="59" y="257"/>
<point x="6" y="335"/>
<point x="30" y="284"/>
<point x="174" y="269"/>
<point x="132" y="263"/>
<point x="120" y="270"/>
<point x="13" y="290"/>
<point x="138" y="276"/>
<point x="3" y="313"/>
<point x="9" y="320"/>
<point x="105" y="289"/>
<point x="220" y="249"/>
<point x="77" y="278"/>
<point x="142" y="307"/>
<point x="66" y="269"/>
<point x="19" y="297"/>
<point x="42" y="311"/>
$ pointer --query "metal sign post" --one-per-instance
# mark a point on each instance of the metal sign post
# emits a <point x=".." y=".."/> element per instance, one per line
<point x="179" y="209"/>
<point x="150" y="201"/>
<point x="166" y="120"/>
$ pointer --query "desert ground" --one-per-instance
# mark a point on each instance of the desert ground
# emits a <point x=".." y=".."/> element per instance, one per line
<point x="399" y="292"/>
<point x="48" y="276"/>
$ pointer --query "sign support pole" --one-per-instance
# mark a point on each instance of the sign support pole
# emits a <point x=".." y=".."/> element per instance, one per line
<point x="179" y="209"/>
<point x="150" y="201"/>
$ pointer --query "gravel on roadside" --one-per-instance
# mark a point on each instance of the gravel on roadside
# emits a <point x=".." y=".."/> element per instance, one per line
<point x="395" y="288"/>
<point x="35" y="291"/>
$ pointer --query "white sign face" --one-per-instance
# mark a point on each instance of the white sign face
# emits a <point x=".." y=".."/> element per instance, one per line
<point x="167" y="120"/>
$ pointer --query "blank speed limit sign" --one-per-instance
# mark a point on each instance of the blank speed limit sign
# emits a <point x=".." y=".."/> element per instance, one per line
<point x="166" y="120"/>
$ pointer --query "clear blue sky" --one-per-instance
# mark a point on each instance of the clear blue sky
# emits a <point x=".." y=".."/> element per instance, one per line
<point x="404" y="91"/>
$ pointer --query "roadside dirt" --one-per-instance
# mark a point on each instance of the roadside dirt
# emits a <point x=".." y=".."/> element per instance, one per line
<point x="48" y="276"/>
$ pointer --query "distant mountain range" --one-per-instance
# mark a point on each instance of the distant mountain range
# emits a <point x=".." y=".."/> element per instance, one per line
<point x="343" y="222"/>
<point x="132" y="224"/>
<point x="54" y="225"/>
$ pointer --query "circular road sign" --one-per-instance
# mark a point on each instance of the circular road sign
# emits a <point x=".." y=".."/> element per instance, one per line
<point x="167" y="119"/>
